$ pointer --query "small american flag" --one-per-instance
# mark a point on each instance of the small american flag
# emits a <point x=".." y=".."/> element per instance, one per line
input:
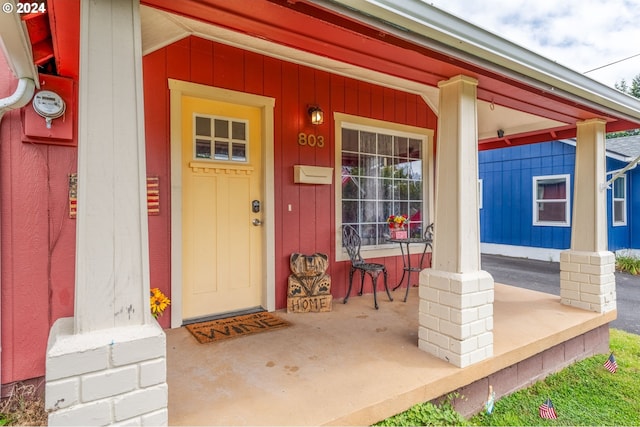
<point x="491" y="399"/>
<point x="547" y="410"/>
<point x="611" y="364"/>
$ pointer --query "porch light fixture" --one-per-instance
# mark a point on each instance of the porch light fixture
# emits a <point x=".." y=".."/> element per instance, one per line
<point x="500" y="133"/>
<point x="316" y="115"/>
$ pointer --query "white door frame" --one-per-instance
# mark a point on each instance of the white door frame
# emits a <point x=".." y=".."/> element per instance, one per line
<point x="178" y="89"/>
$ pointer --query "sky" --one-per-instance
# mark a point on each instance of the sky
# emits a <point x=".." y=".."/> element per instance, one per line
<point x="579" y="34"/>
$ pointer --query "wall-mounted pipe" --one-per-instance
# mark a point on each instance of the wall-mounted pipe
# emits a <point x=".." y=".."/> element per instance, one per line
<point x="618" y="173"/>
<point x="19" y="98"/>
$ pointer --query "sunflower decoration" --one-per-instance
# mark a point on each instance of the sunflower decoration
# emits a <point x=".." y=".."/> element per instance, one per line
<point x="159" y="302"/>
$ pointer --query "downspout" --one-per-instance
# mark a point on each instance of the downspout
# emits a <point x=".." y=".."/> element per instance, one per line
<point x="16" y="47"/>
<point x="20" y="98"/>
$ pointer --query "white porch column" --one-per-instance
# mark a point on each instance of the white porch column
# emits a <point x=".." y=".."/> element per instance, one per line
<point x="587" y="277"/>
<point x="107" y="364"/>
<point x="456" y="297"/>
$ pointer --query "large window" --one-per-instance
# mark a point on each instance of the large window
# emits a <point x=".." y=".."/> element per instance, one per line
<point x="619" y="196"/>
<point x="551" y="200"/>
<point x="382" y="173"/>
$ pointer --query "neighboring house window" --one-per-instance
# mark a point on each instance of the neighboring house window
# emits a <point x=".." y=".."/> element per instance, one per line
<point x="551" y="200"/>
<point x="220" y="138"/>
<point x="479" y="194"/>
<point x="619" y="197"/>
<point x="383" y="171"/>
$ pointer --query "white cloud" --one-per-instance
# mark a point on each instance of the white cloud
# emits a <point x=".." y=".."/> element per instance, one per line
<point x="579" y="34"/>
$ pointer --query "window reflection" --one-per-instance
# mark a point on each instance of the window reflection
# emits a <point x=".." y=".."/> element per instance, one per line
<point x="381" y="176"/>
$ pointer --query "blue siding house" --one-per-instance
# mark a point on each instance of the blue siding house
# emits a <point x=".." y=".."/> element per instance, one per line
<point x="526" y="198"/>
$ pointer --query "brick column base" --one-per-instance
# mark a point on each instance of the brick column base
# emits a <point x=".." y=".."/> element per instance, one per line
<point x="111" y="376"/>
<point x="587" y="280"/>
<point x="456" y="316"/>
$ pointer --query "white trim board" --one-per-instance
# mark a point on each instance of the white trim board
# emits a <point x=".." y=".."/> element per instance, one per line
<point x="542" y="254"/>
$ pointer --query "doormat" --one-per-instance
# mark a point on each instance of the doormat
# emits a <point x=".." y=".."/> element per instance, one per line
<point x="231" y="327"/>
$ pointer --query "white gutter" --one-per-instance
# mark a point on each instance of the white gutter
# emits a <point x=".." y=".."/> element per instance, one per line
<point x="430" y="27"/>
<point x="20" y="98"/>
<point x="16" y="46"/>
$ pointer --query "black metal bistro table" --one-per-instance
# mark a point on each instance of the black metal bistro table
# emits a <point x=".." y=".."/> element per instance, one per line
<point x="406" y="258"/>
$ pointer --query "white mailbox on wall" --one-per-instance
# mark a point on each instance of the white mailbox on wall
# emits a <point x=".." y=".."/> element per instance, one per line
<point x="312" y="174"/>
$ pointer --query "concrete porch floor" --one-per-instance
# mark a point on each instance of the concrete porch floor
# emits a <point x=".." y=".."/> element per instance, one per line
<point x="352" y="366"/>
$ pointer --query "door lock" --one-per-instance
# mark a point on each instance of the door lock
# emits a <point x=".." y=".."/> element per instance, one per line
<point x="255" y="206"/>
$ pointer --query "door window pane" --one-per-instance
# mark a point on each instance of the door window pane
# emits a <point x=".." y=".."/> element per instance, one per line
<point x="203" y="126"/>
<point x="230" y="139"/>
<point x="239" y="152"/>
<point x="238" y="130"/>
<point x="222" y="150"/>
<point x="203" y="149"/>
<point x="222" y="128"/>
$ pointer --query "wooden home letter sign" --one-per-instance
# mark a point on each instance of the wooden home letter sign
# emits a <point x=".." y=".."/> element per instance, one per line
<point x="309" y="285"/>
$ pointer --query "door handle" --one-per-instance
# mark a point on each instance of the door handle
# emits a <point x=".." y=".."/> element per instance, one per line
<point x="256" y="222"/>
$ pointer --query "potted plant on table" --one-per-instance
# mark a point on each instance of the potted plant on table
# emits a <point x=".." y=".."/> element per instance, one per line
<point x="397" y="226"/>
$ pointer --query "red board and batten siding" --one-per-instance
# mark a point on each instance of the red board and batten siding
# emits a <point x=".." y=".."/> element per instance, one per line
<point x="38" y="243"/>
<point x="309" y="226"/>
<point x="38" y="237"/>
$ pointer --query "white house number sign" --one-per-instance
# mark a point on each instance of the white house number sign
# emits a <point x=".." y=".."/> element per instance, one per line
<point x="311" y="140"/>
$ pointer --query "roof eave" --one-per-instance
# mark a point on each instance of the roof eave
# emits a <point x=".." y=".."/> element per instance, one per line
<point x="431" y="27"/>
<point x="612" y="154"/>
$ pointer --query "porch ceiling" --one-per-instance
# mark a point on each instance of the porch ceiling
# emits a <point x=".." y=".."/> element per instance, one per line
<point x="160" y="28"/>
<point x="402" y="44"/>
<point x="391" y="47"/>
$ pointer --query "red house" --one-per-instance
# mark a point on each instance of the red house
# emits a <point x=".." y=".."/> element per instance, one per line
<point x="207" y="104"/>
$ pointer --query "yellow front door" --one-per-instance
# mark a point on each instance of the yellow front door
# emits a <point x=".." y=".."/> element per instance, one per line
<point x="222" y="206"/>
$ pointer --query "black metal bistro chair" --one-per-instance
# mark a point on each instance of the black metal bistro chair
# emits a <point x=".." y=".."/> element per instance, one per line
<point x="427" y="241"/>
<point x="352" y="242"/>
<point x="428" y="232"/>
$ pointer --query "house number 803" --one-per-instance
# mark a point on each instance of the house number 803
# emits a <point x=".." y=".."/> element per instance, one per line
<point x="311" y="140"/>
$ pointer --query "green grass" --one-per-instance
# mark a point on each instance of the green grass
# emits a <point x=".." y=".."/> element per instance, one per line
<point x="628" y="264"/>
<point x="427" y="414"/>
<point x="23" y="406"/>
<point x="583" y="394"/>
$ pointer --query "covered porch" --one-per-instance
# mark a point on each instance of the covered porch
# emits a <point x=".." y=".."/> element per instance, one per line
<point x="356" y="365"/>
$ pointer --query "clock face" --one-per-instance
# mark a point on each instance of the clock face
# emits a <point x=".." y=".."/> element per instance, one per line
<point x="48" y="104"/>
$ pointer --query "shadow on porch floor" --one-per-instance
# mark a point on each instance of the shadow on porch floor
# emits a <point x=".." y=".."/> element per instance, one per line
<point x="351" y="366"/>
